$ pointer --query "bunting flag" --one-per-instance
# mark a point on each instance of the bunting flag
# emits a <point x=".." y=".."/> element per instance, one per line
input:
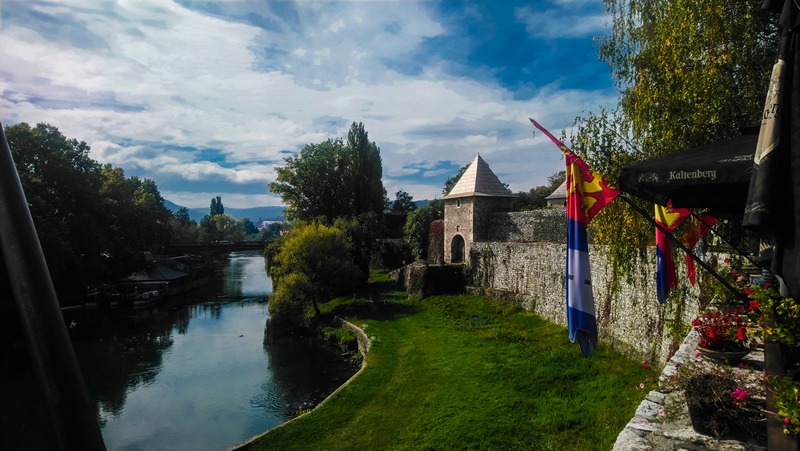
<point x="587" y="194"/>
<point x="668" y="218"/>
<point x="692" y="238"/>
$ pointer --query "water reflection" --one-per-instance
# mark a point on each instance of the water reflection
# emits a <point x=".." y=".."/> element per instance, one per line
<point x="192" y="374"/>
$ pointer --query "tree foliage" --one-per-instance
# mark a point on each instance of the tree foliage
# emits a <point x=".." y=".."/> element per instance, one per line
<point x="535" y="198"/>
<point x="332" y="179"/>
<point x="418" y="224"/>
<point x="403" y="202"/>
<point x="216" y="207"/>
<point x="94" y="223"/>
<point x="321" y="259"/>
<point x="688" y="74"/>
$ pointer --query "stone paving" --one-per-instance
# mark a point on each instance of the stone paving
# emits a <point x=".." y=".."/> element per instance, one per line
<point x="662" y="422"/>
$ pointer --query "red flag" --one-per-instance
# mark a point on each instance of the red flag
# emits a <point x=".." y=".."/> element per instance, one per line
<point x="692" y="238"/>
<point x="669" y="218"/>
<point x="587" y="194"/>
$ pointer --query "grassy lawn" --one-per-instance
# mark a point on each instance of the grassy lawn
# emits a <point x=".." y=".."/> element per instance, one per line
<point x="455" y="372"/>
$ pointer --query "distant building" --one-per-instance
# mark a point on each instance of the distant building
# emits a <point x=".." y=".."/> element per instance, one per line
<point x="558" y="198"/>
<point x="468" y="206"/>
<point x="265" y="224"/>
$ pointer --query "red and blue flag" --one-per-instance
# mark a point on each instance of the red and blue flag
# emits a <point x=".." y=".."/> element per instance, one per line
<point x="587" y="194"/>
<point x="693" y="236"/>
<point x="669" y="218"/>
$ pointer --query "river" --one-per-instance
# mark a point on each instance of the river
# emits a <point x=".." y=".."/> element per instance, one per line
<point x="197" y="372"/>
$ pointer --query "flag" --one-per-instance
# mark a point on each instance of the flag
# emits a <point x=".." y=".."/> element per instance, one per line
<point x="668" y="218"/>
<point x="692" y="238"/>
<point x="587" y="194"/>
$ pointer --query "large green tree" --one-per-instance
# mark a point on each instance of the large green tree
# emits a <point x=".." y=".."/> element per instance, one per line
<point x="688" y="74"/>
<point x="317" y="261"/>
<point x="94" y="224"/>
<point x="332" y="179"/>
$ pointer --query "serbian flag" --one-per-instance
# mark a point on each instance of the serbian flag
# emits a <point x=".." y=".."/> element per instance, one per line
<point x="587" y="194"/>
<point x="706" y="222"/>
<point x="669" y="218"/>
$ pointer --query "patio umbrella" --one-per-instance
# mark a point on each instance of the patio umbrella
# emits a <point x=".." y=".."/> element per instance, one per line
<point x="772" y="205"/>
<point x="714" y="176"/>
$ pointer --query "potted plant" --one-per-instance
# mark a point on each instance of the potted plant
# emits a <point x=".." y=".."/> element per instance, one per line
<point x="719" y="406"/>
<point x="723" y="334"/>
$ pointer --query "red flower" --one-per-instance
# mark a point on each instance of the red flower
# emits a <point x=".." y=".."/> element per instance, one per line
<point x="740" y="334"/>
<point x="754" y="305"/>
<point x="748" y="291"/>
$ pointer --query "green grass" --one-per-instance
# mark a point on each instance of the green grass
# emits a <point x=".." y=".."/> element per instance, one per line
<point x="455" y="372"/>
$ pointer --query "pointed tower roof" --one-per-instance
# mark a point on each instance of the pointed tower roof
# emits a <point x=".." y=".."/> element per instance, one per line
<point x="478" y="180"/>
<point x="560" y="192"/>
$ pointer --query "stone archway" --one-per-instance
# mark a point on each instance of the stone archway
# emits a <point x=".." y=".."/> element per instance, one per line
<point x="457" y="249"/>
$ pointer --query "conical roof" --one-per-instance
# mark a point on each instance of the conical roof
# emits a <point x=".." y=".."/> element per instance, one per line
<point x="478" y="180"/>
<point x="560" y="192"/>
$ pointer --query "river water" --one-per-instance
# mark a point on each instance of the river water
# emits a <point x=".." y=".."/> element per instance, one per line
<point x="197" y="372"/>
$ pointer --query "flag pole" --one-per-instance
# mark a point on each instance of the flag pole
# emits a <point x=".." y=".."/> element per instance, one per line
<point x="725" y="240"/>
<point x="688" y="251"/>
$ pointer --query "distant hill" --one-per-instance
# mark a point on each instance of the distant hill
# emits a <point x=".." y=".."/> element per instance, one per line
<point x="254" y="213"/>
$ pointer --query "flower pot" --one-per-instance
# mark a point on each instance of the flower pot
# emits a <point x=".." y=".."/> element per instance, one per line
<point x="729" y="357"/>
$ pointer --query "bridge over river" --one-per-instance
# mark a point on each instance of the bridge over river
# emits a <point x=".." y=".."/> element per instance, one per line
<point x="209" y="250"/>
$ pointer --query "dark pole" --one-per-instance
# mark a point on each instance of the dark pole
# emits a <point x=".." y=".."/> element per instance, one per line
<point x="739" y="251"/>
<point x="688" y="251"/>
<point x="72" y="416"/>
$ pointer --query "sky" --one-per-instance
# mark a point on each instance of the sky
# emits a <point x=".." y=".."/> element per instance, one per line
<point x="207" y="98"/>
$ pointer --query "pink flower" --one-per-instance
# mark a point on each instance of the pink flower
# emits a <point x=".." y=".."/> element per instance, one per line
<point x="641" y="385"/>
<point x="740" y="395"/>
<point x="646" y="364"/>
<point x="725" y="260"/>
<point x="661" y="412"/>
<point x="786" y="420"/>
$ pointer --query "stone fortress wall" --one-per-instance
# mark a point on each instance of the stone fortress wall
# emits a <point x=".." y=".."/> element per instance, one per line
<point x="524" y="261"/>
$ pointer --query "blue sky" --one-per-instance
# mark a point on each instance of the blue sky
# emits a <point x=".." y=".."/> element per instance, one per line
<point x="206" y="98"/>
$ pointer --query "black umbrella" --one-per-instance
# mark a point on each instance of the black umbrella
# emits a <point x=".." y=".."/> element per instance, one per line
<point x="772" y="203"/>
<point x="714" y="176"/>
<point x="772" y="206"/>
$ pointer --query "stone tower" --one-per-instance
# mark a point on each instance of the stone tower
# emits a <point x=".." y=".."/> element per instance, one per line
<point x="468" y="208"/>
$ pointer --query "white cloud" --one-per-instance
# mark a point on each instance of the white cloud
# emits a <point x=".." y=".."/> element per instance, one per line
<point x="172" y="76"/>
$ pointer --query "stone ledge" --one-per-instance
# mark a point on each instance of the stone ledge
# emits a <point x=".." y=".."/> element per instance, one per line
<point x="662" y="419"/>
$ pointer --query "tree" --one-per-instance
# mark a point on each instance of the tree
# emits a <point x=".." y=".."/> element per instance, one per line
<point x="418" y="225"/>
<point x="687" y="75"/>
<point x="366" y="170"/>
<point x="535" y="198"/>
<point x="321" y="256"/>
<point x="248" y="226"/>
<point x="94" y="224"/>
<point x="220" y="228"/>
<point x="403" y="202"/>
<point x="216" y="207"/>
<point x="182" y="216"/>
<point x="330" y="179"/>
<point x="61" y="183"/>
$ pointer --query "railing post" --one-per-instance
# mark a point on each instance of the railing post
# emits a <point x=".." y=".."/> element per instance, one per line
<point x="49" y="347"/>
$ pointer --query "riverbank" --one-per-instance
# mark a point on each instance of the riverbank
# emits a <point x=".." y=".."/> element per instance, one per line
<point x="463" y="371"/>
